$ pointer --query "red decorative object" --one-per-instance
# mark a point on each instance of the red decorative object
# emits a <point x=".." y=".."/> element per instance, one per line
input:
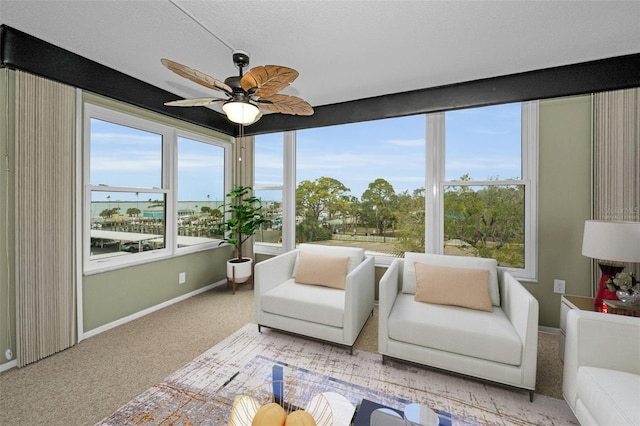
<point x="603" y="292"/>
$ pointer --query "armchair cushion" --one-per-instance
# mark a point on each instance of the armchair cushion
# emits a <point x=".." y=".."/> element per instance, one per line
<point x="321" y="305"/>
<point x="455" y="330"/>
<point x="322" y="269"/>
<point x="356" y="255"/>
<point x="620" y="390"/>
<point x="601" y="375"/>
<point x="409" y="273"/>
<point x="442" y="285"/>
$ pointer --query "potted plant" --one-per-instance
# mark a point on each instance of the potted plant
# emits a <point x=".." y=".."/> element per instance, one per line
<point x="245" y="219"/>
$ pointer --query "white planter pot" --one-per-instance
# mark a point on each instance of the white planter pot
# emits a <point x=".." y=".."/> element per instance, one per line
<point x="239" y="272"/>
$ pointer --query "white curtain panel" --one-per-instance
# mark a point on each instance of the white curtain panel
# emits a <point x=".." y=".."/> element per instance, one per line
<point x="44" y="210"/>
<point x="616" y="157"/>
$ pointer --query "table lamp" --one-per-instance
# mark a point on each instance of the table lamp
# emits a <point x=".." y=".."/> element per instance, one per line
<point x="611" y="242"/>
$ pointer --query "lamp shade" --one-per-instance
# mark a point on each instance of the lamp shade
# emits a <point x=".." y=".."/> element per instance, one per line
<point x="241" y="112"/>
<point x="615" y="241"/>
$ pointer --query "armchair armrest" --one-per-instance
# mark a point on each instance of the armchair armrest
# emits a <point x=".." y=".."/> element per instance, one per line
<point x="522" y="310"/>
<point x="272" y="272"/>
<point x="518" y="304"/>
<point x="359" y="297"/>
<point x="599" y="340"/>
<point x="390" y="285"/>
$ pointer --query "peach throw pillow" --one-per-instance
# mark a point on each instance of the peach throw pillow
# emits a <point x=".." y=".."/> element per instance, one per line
<point x="322" y="269"/>
<point x="442" y="285"/>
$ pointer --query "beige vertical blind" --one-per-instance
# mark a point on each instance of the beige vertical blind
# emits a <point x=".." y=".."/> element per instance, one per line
<point x="616" y="157"/>
<point x="44" y="194"/>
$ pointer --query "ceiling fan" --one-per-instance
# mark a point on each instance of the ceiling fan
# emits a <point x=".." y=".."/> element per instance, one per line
<point x="246" y="94"/>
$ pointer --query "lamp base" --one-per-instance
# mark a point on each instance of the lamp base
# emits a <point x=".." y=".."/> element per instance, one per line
<point x="603" y="293"/>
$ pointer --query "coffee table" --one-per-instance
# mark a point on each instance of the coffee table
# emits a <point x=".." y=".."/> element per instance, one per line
<point x="259" y="371"/>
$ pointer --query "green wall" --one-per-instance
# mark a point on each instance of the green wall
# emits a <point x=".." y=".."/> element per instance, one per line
<point x="564" y="205"/>
<point x="110" y="296"/>
<point x="564" y="202"/>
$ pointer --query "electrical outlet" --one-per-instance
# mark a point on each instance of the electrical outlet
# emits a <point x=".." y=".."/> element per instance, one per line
<point x="558" y="286"/>
<point x="182" y="277"/>
<point x="8" y="354"/>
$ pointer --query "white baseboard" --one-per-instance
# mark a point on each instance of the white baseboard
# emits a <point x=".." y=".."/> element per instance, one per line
<point x="124" y="320"/>
<point x="550" y="330"/>
<point x="8" y="366"/>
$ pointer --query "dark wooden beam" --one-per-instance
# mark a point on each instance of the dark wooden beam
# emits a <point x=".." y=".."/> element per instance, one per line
<point x="22" y="51"/>
<point x="25" y="52"/>
<point x="615" y="73"/>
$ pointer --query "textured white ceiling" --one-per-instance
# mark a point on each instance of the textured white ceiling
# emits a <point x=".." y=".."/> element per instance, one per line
<point x="344" y="50"/>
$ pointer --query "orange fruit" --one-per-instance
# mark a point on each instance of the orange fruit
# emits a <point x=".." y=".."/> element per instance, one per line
<point x="300" y="418"/>
<point x="269" y="415"/>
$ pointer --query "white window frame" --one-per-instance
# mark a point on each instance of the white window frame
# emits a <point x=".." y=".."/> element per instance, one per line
<point x="228" y="166"/>
<point x="288" y="189"/>
<point x="434" y="190"/>
<point x="168" y="189"/>
<point x="436" y="182"/>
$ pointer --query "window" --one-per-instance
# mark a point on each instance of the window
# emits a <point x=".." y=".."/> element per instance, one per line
<point x="462" y="182"/>
<point x="269" y="188"/>
<point x="201" y="192"/>
<point x="356" y="183"/>
<point x="484" y="184"/>
<point x="151" y="190"/>
<point x="359" y="184"/>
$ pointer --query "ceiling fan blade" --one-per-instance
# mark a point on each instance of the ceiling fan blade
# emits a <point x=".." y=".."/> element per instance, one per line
<point x="265" y="81"/>
<point x="195" y="102"/>
<point x="196" y="76"/>
<point x="285" y="104"/>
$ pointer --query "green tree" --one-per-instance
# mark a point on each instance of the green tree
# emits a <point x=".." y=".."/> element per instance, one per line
<point x="351" y="214"/>
<point x="410" y="217"/>
<point x="378" y="205"/>
<point x="133" y="211"/>
<point x="325" y="194"/>
<point x="310" y="230"/>
<point x="490" y="219"/>
<point x="107" y="213"/>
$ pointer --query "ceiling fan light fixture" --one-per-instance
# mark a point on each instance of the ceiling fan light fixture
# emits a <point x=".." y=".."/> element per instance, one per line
<point x="241" y="112"/>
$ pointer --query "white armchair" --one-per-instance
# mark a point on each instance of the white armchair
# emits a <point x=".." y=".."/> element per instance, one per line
<point x="601" y="381"/>
<point x="318" y="311"/>
<point x="499" y="344"/>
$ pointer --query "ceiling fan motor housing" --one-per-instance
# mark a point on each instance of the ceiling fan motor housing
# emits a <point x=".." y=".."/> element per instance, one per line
<point x="241" y="59"/>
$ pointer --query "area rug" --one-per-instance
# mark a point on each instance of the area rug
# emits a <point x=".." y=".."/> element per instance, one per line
<point x="202" y="392"/>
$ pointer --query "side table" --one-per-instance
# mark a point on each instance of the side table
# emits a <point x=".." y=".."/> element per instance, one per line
<point x="619" y="308"/>
<point x="568" y="303"/>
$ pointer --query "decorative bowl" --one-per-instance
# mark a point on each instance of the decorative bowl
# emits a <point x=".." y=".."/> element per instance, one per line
<point x="294" y="396"/>
<point x="627" y="298"/>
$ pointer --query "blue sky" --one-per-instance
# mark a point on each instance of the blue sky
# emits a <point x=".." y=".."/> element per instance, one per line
<point x="126" y="157"/>
<point x="483" y="142"/>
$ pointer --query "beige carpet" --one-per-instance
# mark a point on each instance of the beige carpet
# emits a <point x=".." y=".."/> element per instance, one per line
<point x="202" y="392"/>
<point x="89" y="381"/>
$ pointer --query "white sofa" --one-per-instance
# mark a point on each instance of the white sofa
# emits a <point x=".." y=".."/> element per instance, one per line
<point x="323" y="313"/>
<point x="499" y="346"/>
<point x="601" y="380"/>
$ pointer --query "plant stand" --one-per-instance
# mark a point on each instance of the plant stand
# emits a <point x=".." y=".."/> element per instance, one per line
<point x="232" y="281"/>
